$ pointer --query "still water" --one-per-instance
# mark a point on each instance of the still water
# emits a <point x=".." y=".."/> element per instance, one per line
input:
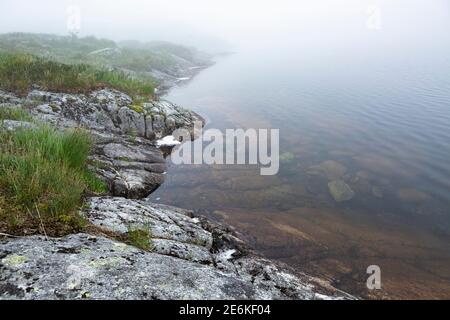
<point x="375" y="117"/>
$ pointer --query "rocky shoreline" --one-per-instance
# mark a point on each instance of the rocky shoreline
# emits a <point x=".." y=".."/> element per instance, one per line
<point x="190" y="257"/>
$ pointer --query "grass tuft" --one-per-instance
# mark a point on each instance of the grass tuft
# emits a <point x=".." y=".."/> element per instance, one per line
<point x="140" y="237"/>
<point x="14" y="113"/>
<point x="43" y="178"/>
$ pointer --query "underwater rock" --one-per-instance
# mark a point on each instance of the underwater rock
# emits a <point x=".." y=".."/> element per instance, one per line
<point x="377" y="192"/>
<point x="287" y="157"/>
<point x="333" y="170"/>
<point x="412" y="195"/>
<point x="340" y="191"/>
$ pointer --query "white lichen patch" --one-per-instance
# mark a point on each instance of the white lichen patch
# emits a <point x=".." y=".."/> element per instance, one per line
<point x="118" y="246"/>
<point x="106" y="262"/>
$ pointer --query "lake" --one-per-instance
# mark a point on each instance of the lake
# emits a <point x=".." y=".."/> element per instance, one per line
<point x="372" y="112"/>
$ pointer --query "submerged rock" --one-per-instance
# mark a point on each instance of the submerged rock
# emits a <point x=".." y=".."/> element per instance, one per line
<point x="412" y="195"/>
<point x="377" y="192"/>
<point x="340" y="191"/>
<point x="287" y="157"/>
<point x="333" y="170"/>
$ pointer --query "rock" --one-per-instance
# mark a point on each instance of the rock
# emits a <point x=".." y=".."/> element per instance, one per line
<point x="164" y="222"/>
<point x="363" y="175"/>
<point x="333" y="170"/>
<point x="340" y="191"/>
<point x="167" y="117"/>
<point x="191" y="258"/>
<point x="111" y="111"/>
<point x="125" y="155"/>
<point x="168" y="141"/>
<point x="377" y="192"/>
<point x="132" y="168"/>
<point x="412" y="195"/>
<point x="256" y="182"/>
<point x="287" y="157"/>
<point x="11" y="125"/>
<point x="7" y="97"/>
<point x="131" y="122"/>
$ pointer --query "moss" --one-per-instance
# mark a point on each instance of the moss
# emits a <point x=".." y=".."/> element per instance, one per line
<point x="137" y="108"/>
<point x="199" y="242"/>
<point x="125" y="159"/>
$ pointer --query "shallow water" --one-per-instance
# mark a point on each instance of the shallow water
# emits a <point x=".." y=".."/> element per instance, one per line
<point x="379" y="119"/>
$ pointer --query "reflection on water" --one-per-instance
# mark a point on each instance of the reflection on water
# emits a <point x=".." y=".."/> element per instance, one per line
<point x="379" y="125"/>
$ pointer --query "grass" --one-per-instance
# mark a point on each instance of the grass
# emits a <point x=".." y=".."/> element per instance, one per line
<point x="138" y="59"/>
<point x="14" y="113"/>
<point x="140" y="237"/>
<point x="43" y="179"/>
<point x="20" y="71"/>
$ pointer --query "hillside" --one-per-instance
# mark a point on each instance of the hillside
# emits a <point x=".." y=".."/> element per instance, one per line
<point x="161" y="62"/>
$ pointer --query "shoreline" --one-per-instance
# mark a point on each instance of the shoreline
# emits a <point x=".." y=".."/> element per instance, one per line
<point x="200" y="250"/>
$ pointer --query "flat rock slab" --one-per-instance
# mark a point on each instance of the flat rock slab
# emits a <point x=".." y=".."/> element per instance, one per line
<point x="164" y="222"/>
<point x="86" y="267"/>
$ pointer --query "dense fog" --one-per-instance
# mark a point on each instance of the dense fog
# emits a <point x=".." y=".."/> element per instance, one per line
<point x="232" y="24"/>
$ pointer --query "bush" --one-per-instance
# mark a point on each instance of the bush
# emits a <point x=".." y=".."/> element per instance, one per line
<point x="43" y="178"/>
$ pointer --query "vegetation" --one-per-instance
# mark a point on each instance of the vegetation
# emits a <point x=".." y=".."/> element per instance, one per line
<point x="18" y="72"/>
<point x="44" y="173"/>
<point x="14" y="113"/>
<point x="132" y="57"/>
<point x="140" y="237"/>
<point x="43" y="178"/>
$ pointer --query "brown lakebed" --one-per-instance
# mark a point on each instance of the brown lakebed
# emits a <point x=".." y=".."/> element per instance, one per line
<point x="303" y="226"/>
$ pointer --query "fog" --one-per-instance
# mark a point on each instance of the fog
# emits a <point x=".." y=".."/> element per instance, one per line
<point x="217" y="25"/>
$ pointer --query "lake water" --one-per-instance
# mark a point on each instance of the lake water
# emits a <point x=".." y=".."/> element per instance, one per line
<point x="373" y="113"/>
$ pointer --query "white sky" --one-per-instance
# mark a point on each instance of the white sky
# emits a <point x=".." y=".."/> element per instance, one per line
<point x="201" y="22"/>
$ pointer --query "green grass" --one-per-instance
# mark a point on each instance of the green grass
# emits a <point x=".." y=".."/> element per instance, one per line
<point x="14" y="113"/>
<point x="18" y="72"/>
<point x="140" y="237"/>
<point x="136" y="58"/>
<point x="43" y="179"/>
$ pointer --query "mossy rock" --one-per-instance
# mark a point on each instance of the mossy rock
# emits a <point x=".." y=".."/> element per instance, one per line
<point x="340" y="191"/>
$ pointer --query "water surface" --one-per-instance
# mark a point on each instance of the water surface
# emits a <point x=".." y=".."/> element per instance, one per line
<point x="370" y="112"/>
